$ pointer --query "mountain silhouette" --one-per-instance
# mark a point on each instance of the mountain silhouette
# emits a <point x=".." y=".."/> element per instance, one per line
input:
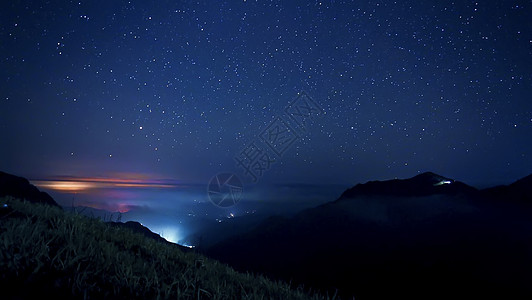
<point x="426" y="237"/>
<point x="424" y="184"/>
<point x="518" y="192"/>
<point x="19" y="187"/>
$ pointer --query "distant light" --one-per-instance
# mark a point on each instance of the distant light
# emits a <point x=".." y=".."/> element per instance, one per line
<point x="443" y="182"/>
<point x="169" y="233"/>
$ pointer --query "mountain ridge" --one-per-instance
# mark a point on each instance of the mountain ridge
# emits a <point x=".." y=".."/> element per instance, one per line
<point x="424" y="184"/>
<point x="415" y="236"/>
<point x="519" y="191"/>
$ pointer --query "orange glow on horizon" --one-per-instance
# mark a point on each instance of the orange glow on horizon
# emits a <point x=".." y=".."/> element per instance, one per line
<point x="82" y="184"/>
<point x="65" y="186"/>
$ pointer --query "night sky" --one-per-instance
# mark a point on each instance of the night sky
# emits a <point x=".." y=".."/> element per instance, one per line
<point x="140" y="91"/>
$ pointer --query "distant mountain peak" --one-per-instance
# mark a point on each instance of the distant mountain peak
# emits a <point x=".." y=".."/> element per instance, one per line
<point x="430" y="176"/>
<point x="424" y="184"/>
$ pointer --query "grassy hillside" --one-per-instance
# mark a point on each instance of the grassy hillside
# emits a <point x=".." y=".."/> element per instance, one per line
<point x="46" y="251"/>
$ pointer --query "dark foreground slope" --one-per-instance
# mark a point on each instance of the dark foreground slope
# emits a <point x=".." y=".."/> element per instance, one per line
<point x="45" y="251"/>
<point x="428" y="237"/>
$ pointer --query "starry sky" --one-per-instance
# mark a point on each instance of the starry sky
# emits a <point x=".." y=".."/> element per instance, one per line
<point x="174" y="90"/>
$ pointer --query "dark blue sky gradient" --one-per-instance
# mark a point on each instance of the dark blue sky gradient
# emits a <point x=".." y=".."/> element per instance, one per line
<point x="175" y="89"/>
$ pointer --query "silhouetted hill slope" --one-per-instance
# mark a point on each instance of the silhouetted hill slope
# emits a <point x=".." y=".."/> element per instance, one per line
<point x="519" y="191"/>
<point x="412" y="238"/>
<point x="139" y="228"/>
<point x="19" y="187"/>
<point x="46" y="251"/>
